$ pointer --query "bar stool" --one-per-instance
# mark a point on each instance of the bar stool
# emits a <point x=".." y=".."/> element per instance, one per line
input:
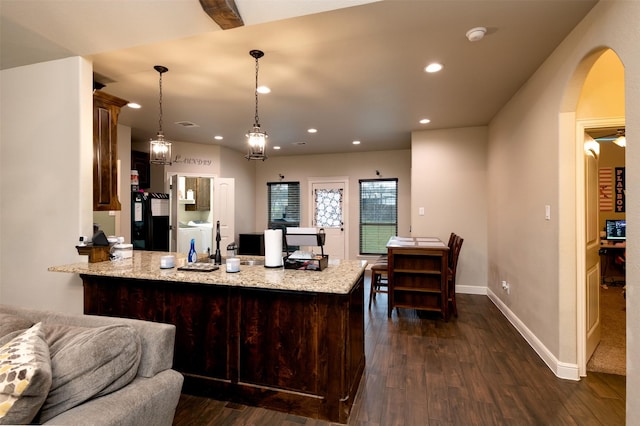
<point x="379" y="279"/>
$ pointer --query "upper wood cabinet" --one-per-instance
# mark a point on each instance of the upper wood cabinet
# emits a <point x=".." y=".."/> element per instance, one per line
<point x="201" y="188"/>
<point x="106" y="109"/>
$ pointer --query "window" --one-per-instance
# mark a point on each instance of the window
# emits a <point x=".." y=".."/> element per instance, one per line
<point x="378" y="214"/>
<point x="284" y="204"/>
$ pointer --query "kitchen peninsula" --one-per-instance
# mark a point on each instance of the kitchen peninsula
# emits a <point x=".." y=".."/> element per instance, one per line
<point x="277" y="338"/>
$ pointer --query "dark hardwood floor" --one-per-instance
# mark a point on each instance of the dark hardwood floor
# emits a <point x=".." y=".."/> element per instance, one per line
<point x="474" y="370"/>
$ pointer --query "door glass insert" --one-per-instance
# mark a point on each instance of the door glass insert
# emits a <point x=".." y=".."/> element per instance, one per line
<point x="328" y="208"/>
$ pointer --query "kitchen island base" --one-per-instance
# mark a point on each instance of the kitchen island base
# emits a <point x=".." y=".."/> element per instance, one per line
<point x="292" y="351"/>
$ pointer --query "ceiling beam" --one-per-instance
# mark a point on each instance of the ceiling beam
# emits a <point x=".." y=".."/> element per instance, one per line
<point x="223" y="12"/>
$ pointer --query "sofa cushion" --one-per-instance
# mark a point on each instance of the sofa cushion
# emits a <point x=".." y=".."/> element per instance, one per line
<point x="12" y="325"/>
<point x="157" y="338"/>
<point x="25" y="376"/>
<point x="87" y="363"/>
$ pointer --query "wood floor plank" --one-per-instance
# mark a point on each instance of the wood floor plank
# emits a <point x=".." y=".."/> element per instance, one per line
<point x="472" y="370"/>
<point x="437" y="398"/>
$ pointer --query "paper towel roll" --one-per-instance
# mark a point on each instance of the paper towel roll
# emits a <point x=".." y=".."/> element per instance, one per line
<point x="273" y="248"/>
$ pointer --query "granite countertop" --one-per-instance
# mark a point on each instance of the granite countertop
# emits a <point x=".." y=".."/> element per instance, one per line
<point x="337" y="278"/>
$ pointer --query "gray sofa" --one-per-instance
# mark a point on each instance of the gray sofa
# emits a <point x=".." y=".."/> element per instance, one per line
<point x="151" y="392"/>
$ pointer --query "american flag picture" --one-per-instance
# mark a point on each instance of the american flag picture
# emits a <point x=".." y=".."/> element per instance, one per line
<point x="605" y="184"/>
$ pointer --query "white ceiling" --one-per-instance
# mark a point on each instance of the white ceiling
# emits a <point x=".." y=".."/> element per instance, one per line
<point x="354" y="73"/>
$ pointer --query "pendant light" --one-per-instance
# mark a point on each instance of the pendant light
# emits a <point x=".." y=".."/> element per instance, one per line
<point x="160" y="148"/>
<point x="257" y="138"/>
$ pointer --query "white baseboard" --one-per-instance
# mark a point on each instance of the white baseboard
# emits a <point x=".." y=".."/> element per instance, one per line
<point x="471" y="289"/>
<point x="561" y="369"/>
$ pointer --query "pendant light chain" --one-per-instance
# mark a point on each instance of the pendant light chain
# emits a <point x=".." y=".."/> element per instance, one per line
<point x="160" y="102"/>
<point x="257" y="120"/>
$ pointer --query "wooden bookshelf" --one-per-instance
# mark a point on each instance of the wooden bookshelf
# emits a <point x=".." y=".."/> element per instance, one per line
<point x="417" y="269"/>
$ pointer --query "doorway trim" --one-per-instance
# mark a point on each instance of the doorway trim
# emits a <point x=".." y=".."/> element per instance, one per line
<point x="581" y="297"/>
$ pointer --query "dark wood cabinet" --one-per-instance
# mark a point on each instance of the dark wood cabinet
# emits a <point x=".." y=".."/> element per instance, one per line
<point x="201" y="188"/>
<point x="298" y="352"/>
<point x="418" y="275"/>
<point x="106" y="109"/>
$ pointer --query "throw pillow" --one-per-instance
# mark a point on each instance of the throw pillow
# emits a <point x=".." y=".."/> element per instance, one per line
<point x="87" y="363"/>
<point x="25" y="376"/>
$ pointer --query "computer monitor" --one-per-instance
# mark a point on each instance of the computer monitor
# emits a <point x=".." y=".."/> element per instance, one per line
<point x="616" y="230"/>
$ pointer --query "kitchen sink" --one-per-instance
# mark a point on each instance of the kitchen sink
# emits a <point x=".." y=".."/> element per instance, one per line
<point x="252" y="262"/>
<point x="249" y="262"/>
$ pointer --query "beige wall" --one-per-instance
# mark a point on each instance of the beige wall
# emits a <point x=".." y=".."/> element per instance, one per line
<point x="355" y="166"/>
<point x="449" y="180"/>
<point x="234" y="165"/>
<point x="532" y="162"/>
<point x="187" y="158"/>
<point x="602" y="93"/>
<point x="46" y="181"/>
<point x="123" y="217"/>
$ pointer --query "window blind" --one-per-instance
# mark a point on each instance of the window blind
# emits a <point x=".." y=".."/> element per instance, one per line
<point x="378" y="214"/>
<point x="284" y="204"/>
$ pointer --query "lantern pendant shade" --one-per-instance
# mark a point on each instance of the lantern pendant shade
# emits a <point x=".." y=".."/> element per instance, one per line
<point x="160" y="150"/>
<point x="257" y="143"/>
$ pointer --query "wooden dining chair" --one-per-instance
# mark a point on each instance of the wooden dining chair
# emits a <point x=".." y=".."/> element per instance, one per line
<point x="452" y="238"/>
<point x="454" y="254"/>
<point x="379" y="279"/>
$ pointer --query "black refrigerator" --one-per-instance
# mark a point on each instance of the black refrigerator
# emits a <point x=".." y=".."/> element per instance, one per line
<point x="150" y="221"/>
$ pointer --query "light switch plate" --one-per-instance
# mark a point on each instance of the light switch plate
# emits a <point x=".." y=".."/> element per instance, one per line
<point x="421" y="211"/>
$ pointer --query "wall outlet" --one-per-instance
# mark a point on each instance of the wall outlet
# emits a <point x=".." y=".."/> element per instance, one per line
<point x="506" y="287"/>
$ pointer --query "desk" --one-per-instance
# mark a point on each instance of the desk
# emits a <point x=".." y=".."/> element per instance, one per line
<point x="417" y="271"/>
<point x="610" y="269"/>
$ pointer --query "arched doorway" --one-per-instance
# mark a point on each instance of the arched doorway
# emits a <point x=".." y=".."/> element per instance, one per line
<point x="598" y="104"/>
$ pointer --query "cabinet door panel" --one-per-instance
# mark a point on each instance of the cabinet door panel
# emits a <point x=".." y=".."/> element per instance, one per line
<point x="283" y="353"/>
<point x="106" y="109"/>
<point x="201" y="320"/>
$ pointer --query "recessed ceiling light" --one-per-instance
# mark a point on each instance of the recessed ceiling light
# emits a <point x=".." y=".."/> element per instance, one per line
<point x="356" y="142"/>
<point x="312" y="130"/>
<point x="425" y="121"/>
<point x="433" y="67"/>
<point x="276" y="147"/>
<point x="264" y="89"/>
<point x="134" y="105"/>
<point x="218" y="138"/>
